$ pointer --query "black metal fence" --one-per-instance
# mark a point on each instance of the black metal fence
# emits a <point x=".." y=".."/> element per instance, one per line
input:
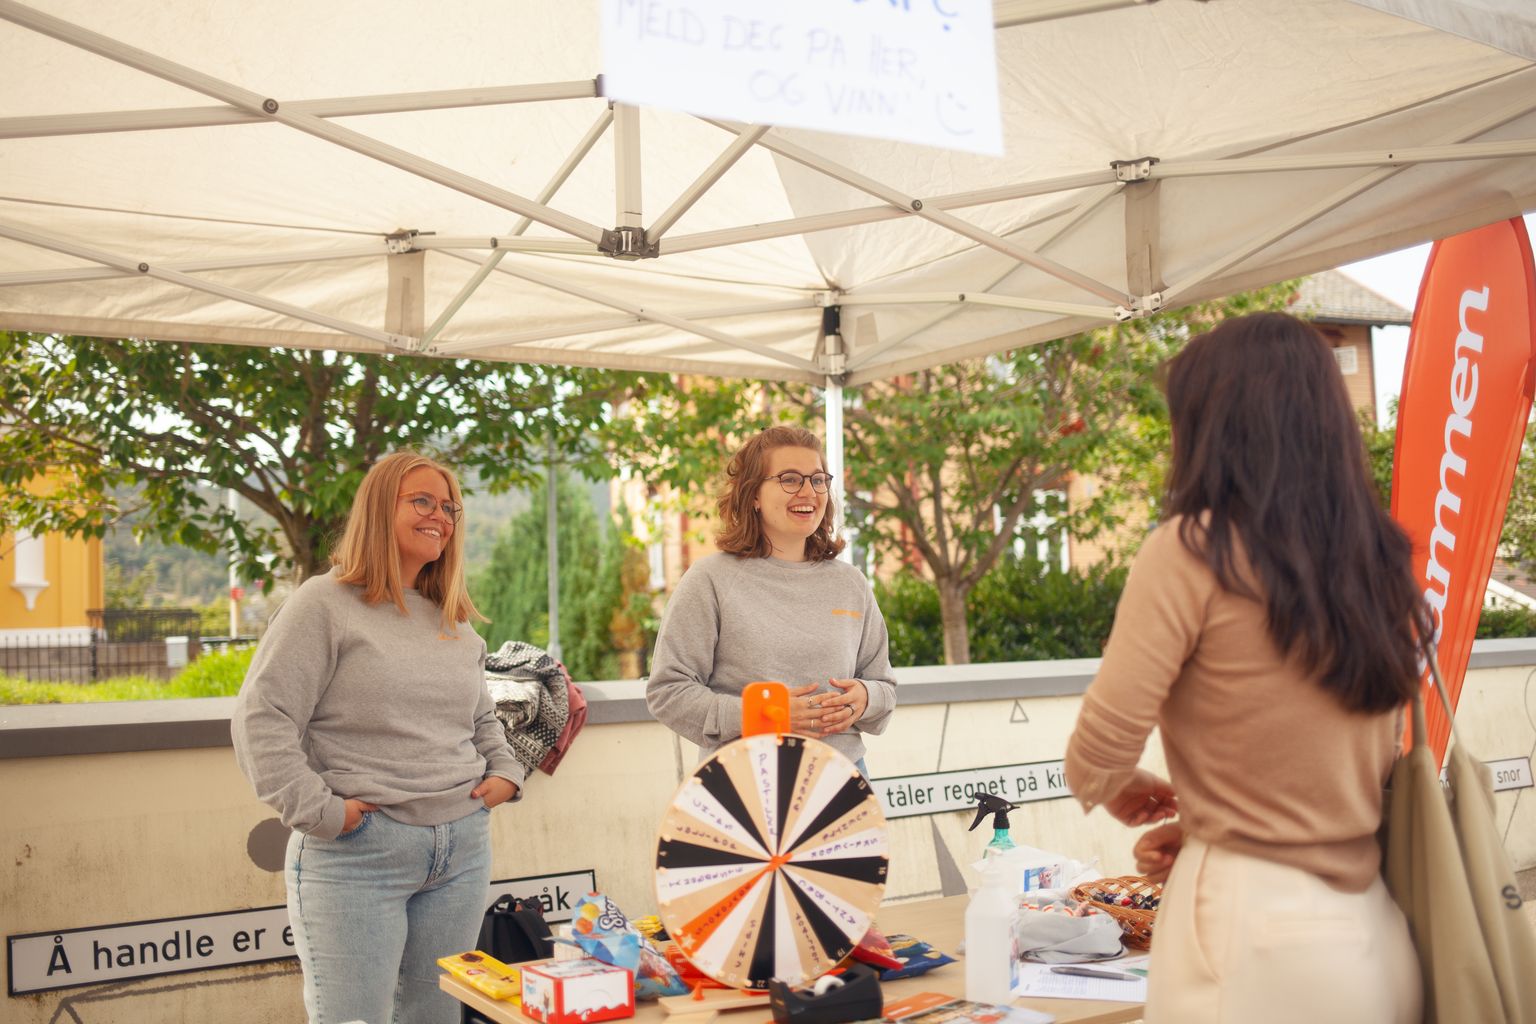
<point x="154" y="642"/>
<point x="120" y="625"/>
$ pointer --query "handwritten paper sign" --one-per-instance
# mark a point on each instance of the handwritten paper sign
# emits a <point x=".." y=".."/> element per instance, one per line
<point x="913" y="70"/>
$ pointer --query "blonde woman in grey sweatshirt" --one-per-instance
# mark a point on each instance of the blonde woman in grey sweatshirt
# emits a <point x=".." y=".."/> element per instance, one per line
<point x="366" y="723"/>
<point x="774" y="604"/>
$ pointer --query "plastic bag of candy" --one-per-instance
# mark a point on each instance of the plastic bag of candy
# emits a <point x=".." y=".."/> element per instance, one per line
<point x="916" y="958"/>
<point x="600" y="930"/>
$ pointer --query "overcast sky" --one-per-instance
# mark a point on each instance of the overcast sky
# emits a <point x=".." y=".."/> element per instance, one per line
<point x="1396" y="275"/>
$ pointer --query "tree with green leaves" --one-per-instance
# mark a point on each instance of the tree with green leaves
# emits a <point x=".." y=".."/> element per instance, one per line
<point x="291" y="431"/>
<point x="1517" y="540"/>
<point x="956" y="463"/>
<point x="512" y="588"/>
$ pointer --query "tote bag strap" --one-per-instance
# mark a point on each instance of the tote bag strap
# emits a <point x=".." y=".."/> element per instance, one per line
<point x="1420" y="727"/>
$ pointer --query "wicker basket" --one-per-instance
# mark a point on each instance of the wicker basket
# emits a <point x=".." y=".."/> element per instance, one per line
<point x="1136" y="922"/>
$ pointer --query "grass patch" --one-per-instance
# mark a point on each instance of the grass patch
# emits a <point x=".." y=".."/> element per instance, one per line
<point x="213" y="675"/>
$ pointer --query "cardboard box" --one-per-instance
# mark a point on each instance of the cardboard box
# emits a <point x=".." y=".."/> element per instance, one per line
<point x="577" y="991"/>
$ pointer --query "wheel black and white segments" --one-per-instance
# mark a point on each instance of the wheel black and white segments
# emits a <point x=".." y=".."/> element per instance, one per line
<point x="771" y="861"/>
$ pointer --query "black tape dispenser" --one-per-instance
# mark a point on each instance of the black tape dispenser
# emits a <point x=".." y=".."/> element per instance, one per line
<point x="834" y="999"/>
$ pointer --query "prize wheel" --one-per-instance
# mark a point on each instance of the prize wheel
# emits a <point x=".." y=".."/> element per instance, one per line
<point x="771" y="861"/>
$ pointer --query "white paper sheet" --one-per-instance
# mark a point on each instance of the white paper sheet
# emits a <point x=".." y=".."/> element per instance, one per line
<point x="1037" y="980"/>
<point x="923" y="73"/>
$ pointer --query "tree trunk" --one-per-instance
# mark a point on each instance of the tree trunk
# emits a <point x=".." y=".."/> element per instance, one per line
<point x="309" y="557"/>
<point x="957" y="636"/>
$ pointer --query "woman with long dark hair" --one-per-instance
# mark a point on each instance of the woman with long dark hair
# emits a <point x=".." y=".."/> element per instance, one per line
<point x="775" y="603"/>
<point x="1269" y="630"/>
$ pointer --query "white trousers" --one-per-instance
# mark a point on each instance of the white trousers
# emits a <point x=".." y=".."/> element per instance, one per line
<point x="1240" y="940"/>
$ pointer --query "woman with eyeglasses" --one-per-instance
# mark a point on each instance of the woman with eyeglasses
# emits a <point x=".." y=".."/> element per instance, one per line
<point x="365" y="722"/>
<point x="774" y="604"/>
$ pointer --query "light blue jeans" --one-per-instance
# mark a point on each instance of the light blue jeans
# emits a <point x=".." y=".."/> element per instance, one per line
<point x="374" y="908"/>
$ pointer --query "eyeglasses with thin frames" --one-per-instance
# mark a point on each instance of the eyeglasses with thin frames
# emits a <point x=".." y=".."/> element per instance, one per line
<point x="792" y="481"/>
<point x="425" y="505"/>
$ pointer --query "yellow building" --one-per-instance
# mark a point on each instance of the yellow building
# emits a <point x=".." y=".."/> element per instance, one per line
<point x="48" y="583"/>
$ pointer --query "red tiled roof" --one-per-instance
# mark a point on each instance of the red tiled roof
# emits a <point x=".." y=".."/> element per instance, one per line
<point x="1512" y="576"/>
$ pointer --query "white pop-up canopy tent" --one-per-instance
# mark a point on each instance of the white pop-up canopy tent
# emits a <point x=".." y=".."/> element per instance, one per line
<point x="445" y="178"/>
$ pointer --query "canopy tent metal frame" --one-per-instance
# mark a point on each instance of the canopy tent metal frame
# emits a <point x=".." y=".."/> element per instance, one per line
<point x="976" y="256"/>
<point x="1132" y="178"/>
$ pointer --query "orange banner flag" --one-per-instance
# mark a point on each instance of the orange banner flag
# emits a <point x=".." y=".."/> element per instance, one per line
<point x="1466" y="397"/>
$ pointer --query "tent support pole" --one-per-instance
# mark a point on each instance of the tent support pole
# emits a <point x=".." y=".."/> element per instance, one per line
<point x="547" y="193"/>
<point x="854" y="179"/>
<point x="392" y="341"/>
<point x="832" y="355"/>
<point x="1079" y="214"/>
<point x="980" y="299"/>
<point x="833" y="400"/>
<point x="1331" y="202"/>
<point x="713" y="173"/>
<point x="1383" y="158"/>
<point x="587" y="328"/>
<point x="1007" y="13"/>
<point x="271" y="109"/>
<point x="552" y="543"/>
<point x="626" y="165"/>
<point x="1143" y="238"/>
<point x="877" y="214"/>
<point x="656" y="316"/>
<point x="506" y="244"/>
<point x="48" y="125"/>
<point x="35" y="277"/>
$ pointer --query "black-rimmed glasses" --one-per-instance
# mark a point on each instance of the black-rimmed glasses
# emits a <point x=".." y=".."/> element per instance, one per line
<point x="792" y="481"/>
<point x="425" y="505"/>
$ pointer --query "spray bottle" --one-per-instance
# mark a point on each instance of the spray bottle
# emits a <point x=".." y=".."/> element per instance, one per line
<point x="1002" y="842"/>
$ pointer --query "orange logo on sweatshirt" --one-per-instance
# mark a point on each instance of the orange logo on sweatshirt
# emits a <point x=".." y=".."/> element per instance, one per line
<point x="848" y="612"/>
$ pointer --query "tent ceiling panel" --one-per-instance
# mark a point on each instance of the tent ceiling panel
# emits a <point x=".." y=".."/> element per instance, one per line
<point x="279" y="233"/>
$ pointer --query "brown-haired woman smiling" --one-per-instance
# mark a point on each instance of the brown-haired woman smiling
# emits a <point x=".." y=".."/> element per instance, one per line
<point x="775" y="604"/>
<point x="1269" y="628"/>
<point x="366" y="723"/>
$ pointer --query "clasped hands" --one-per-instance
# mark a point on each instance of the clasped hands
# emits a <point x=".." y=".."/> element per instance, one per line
<point x="822" y="714"/>
<point x="1143" y="800"/>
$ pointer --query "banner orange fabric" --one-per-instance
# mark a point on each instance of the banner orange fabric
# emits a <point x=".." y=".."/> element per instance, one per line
<point x="1466" y="396"/>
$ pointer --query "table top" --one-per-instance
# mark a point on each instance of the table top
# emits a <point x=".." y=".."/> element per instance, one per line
<point x="939" y="922"/>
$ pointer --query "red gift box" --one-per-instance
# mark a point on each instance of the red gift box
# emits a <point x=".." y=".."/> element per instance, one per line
<point x="577" y="991"/>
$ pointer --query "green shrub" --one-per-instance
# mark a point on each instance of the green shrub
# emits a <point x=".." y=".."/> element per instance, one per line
<point x="14" y="690"/>
<point x="214" y="675"/>
<point x="1023" y="611"/>
<point x="910" y="606"/>
<point x="1020" y="611"/>
<point x="1506" y="622"/>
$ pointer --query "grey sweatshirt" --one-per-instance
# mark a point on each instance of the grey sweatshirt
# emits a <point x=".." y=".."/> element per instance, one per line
<point x="346" y="700"/>
<point x="734" y="621"/>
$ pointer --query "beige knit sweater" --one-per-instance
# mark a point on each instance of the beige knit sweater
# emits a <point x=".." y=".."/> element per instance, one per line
<point x="1263" y="759"/>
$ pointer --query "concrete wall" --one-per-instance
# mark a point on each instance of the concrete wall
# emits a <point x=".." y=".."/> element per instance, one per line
<point x="118" y="813"/>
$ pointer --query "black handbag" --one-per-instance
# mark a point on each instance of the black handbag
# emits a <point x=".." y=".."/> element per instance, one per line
<point x="513" y="931"/>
